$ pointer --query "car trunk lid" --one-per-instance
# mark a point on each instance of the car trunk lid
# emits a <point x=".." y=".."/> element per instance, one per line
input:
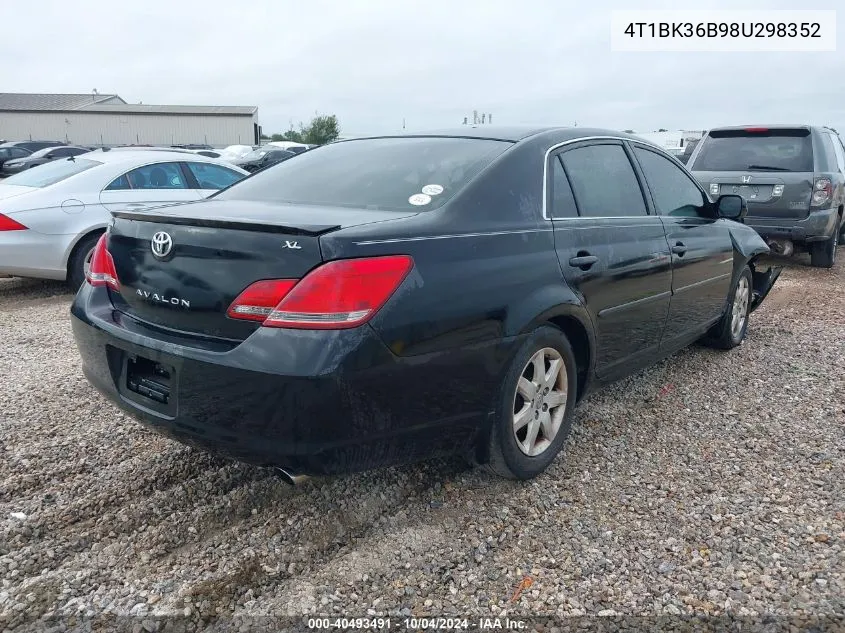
<point x="181" y="267"/>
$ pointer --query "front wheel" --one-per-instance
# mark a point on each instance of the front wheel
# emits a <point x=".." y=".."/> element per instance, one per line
<point x="729" y="332"/>
<point x="823" y="254"/>
<point x="534" y="407"/>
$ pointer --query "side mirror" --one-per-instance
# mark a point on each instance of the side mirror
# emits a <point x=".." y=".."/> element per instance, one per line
<point x="731" y="207"/>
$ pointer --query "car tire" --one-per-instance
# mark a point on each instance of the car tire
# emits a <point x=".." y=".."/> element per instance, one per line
<point x="823" y="254"/>
<point x="76" y="263"/>
<point x="548" y="414"/>
<point x="731" y="329"/>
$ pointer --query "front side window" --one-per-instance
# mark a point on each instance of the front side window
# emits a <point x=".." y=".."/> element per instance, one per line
<point x="673" y="192"/>
<point x="406" y="173"/>
<point x="211" y="176"/>
<point x="157" y="176"/>
<point x="51" y="173"/>
<point x="604" y="181"/>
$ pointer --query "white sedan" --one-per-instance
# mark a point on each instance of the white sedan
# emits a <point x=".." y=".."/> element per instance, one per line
<point x="52" y="215"/>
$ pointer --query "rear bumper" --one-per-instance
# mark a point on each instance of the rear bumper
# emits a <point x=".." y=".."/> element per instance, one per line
<point x="316" y="402"/>
<point x="817" y="226"/>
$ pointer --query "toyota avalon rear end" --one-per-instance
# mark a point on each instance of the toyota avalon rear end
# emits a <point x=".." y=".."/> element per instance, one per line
<point x="244" y="325"/>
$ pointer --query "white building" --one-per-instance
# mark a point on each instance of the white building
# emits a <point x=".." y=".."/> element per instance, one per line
<point x="101" y="119"/>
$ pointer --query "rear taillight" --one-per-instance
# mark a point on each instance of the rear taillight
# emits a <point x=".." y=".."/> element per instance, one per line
<point x="102" y="271"/>
<point x="822" y="192"/>
<point x="8" y="224"/>
<point x="339" y="294"/>
<point x="258" y="300"/>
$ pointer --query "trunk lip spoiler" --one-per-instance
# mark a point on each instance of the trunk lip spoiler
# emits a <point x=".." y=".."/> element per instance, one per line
<point x="222" y="223"/>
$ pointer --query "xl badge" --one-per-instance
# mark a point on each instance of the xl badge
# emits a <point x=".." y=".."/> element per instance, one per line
<point x="161" y="244"/>
<point x="293" y="245"/>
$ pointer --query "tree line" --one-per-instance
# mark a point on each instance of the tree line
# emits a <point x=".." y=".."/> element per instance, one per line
<point x="321" y="130"/>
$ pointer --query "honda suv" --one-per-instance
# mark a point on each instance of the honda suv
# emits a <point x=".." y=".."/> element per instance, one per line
<point x="792" y="177"/>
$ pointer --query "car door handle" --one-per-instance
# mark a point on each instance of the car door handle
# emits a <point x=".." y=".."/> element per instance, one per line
<point x="583" y="261"/>
<point x="137" y="204"/>
<point x="679" y="249"/>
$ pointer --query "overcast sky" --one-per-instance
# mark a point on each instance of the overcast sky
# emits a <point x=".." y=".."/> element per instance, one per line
<point x="431" y="62"/>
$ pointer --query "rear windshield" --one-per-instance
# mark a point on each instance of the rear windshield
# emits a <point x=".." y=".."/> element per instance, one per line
<point x="51" y="173"/>
<point x="384" y="173"/>
<point x="741" y="150"/>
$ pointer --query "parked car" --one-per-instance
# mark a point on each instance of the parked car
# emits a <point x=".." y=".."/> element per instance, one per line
<point x="261" y="158"/>
<point x="381" y="300"/>
<point x="11" y="153"/>
<point x="40" y="157"/>
<point x="792" y="176"/>
<point x="32" y="146"/>
<point x="52" y="215"/>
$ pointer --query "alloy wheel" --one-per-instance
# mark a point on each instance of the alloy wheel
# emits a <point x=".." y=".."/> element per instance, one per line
<point x="86" y="263"/>
<point x="539" y="404"/>
<point x="740" y="307"/>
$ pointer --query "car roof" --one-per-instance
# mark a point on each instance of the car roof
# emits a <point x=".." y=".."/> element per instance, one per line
<point x="151" y="156"/>
<point x="513" y="134"/>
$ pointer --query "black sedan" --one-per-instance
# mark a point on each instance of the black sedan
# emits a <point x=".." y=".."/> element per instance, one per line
<point x="262" y="158"/>
<point x="41" y="157"/>
<point x="382" y="300"/>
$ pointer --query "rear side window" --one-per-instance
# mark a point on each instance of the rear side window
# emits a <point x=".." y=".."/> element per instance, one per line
<point x="408" y="173"/>
<point x="157" y="176"/>
<point x="51" y="173"/>
<point x="829" y="151"/>
<point x="603" y="181"/>
<point x="753" y="150"/>
<point x="563" y="202"/>
<point x="213" y="176"/>
<point x="840" y="152"/>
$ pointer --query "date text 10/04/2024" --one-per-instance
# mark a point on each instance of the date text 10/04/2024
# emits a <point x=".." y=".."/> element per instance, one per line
<point x="418" y="624"/>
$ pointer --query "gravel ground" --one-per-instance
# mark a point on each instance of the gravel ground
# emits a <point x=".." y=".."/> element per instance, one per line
<point x="709" y="484"/>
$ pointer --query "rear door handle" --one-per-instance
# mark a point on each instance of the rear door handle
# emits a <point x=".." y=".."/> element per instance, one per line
<point x="583" y="261"/>
<point x="679" y="249"/>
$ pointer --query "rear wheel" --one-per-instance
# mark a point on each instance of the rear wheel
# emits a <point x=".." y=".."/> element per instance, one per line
<point x="823" y="254"/>
<point x="534" y="407"/>
<point x="80" y="261"/>
<point x="729" y="332"/>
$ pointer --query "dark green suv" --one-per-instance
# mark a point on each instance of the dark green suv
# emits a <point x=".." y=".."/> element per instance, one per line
<point x="791" y="176"/>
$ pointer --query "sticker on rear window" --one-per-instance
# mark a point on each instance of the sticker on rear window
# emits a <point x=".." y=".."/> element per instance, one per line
<point x="419" y="199"/>
<point x="432" y="190"/>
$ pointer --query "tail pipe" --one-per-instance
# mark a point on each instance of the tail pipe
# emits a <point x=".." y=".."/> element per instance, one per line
<point x="781" y="247"/>
<point x="290" y="477"/>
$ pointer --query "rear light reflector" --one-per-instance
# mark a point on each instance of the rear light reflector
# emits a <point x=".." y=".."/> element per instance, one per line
<point x="822" y="192"/>
<point x="339" y="294"/>
<point x="258" y="300"/>
<point x="102" y="271"/>
<point x="8" y="224"/>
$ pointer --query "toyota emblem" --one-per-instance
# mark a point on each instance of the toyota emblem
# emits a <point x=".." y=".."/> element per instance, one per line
<point x="161" y="244"/>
